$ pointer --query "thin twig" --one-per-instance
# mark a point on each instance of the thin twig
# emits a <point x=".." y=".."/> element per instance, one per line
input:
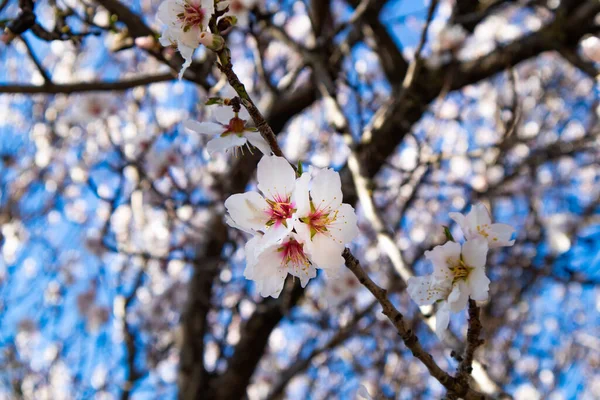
<point x="38" y="64"/>
<point x="408" y="337"/>
<point x="473" y="342"/>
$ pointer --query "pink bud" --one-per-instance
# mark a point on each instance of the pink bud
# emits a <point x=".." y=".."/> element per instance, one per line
<point x="145" y="42"/>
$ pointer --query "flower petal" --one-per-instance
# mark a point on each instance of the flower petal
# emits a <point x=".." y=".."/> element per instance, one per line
<point x="187" y="53"/>
<point x="303" y="271"/>
<point x="268" y="272"/>
<point x="425" y="290"/>
<point x="300" y="197"/>
<point x="229" y="221"/>
<point x="458" y="298"/>
<point x="479" y="215"/>
<point x="461" y="220"/>
<point x="439" y="258"/>
<point x="274" y="234"/>
<point x="344" y="229"/>
<point x="248" y="210"/>
<point x="442" y="320"/>
<point x="251" y="255"/>
<point x="190" y="37"/>
<point x="257" y="141"/>
<point x="474" y="252"/>
<point x="276" y="178"/>
<point x="223" y="143"/>
<point x="221" y="114"/>
<point x="243" y="114"/>
<point x="209" y="6"/>
<point x="326" y="253"/>
<point x="326" y="189"/>
<point x="204" y="128"/>
<point x="167" y="12"/>
<point x="479" y="284"/>
<point x="499" y="235"/>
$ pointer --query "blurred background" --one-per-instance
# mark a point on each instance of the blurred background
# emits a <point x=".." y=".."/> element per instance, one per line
<point x="119" y="279"/>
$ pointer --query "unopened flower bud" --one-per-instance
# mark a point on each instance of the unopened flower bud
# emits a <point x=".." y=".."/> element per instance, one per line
<point x="226" y="23"/>
<point x="145" y="42"/>
<point x="213" y="42"/>
<point x="222" y="5"/>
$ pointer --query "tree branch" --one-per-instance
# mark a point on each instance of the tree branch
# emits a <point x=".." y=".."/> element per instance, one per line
<point x="81" y="87"/>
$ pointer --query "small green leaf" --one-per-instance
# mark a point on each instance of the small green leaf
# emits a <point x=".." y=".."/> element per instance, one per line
<point x="299" y="167"/>
<point x="214" y="100"/>
<point x="448" y="234"/>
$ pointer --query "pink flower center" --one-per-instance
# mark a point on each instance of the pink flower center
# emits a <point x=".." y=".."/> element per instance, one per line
<point x="293" y="252"/>
<point x="192" y="15"/>
<point x="281" y="208"/>
<point x="319" y="219"/>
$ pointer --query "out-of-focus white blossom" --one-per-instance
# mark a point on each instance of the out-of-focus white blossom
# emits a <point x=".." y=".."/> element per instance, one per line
<point x="591" y="48"/>
<point x="231" y="130"/>
<point x="450" y="38"/>
<point x="241" y="10"/>
<point x="93" y="106"/>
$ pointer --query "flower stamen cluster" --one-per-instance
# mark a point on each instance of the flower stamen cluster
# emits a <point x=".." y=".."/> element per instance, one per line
<point x="192" y="15"/>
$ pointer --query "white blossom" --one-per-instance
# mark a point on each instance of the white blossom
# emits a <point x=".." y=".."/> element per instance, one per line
<point x="450" y="37"/>
<point x="591" y="48"/>
<point x="478" y="223"/>
<point x="158" y="161"/>
<point x="230" y="130"/>
<point x="458" y="273"/>
<point x="89" y="107"/>
<point x="281" y="243"/>
<point x="269" y="266"/>
<point x="323" y="221"/>
<point x="185" y="20"/>
<point x="275" y="213"/>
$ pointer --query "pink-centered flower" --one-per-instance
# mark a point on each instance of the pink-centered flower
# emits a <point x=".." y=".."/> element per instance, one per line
<point x="323" y="221"/>
<point x="185" y="21"/>
<point x="269" y="266"/>
<point x="230" y="130"/>
<point x="273" y="213"/>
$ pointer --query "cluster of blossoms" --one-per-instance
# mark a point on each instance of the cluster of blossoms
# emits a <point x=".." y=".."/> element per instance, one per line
<point x="298" y="224"/>
<point x="459" y="271"/>
<point x="187" y="24"/>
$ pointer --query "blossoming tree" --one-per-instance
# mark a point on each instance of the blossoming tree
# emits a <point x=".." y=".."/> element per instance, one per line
<point x="227" y="199"/>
